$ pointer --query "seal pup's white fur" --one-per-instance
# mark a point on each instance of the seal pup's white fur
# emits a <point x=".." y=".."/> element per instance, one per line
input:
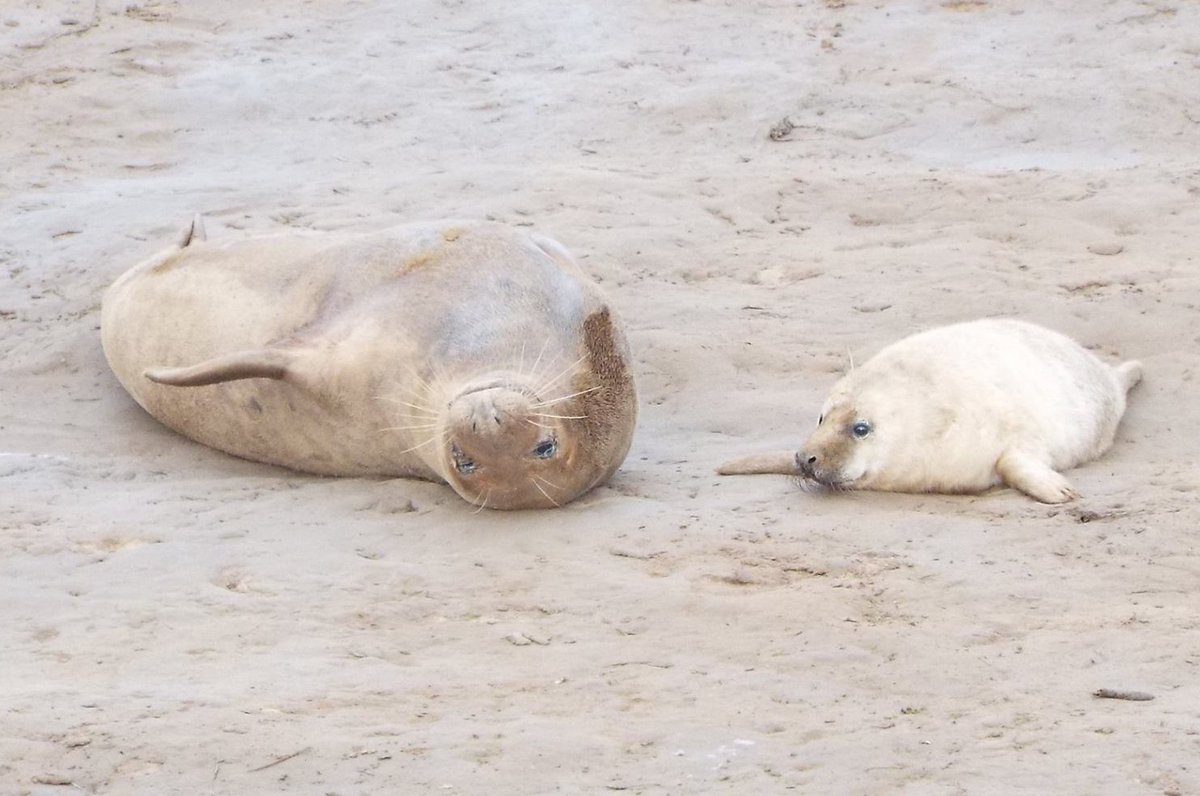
<point x="960" y="409"/>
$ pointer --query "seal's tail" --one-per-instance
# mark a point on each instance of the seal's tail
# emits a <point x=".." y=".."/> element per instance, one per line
<point x="1129" y="373"/>
<point x="778" y="463"/>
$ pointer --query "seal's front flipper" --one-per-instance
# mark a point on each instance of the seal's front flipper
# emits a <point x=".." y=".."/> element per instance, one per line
<point x="259" y="363"/>
<point x="1034" y="477"/>
<point x="779" y="463"/>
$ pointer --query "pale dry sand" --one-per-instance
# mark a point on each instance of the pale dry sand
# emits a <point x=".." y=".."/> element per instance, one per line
<point x="173" y="620"/>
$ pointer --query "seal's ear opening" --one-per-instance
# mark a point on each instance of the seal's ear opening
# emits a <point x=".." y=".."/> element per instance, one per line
<point x="260" y="363"/>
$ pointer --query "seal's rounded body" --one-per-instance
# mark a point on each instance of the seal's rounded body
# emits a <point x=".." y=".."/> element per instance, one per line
<point x="468" y="353"/>
<point x="962" y="408"/>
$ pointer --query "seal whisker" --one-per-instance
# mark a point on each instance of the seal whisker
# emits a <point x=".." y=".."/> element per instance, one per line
<point x="424" y="415"/>
<point x="483" y="505"/>
<point x="422" y="389"/>
<point x="432" y="438"/>
<point x="535" y="423"/>
<point x="544" y="492"/>
<point x="546" y="481"/>
<point x="562" y="373"/>
<point x="409" y="404"/>
<point x="552" y="401"/>
<point x="410" y="428"/>
<point x="560" y="417"/>
<point x="533" y="369"/>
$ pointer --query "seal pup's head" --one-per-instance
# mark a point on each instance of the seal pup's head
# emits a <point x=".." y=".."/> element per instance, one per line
<point x="872" y="434"/>
<point x="838" y="454"/>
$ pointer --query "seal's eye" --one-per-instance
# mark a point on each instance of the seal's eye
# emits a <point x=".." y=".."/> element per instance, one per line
<point x="462" y="462"/>
<point x="860" y="429"/>
<point x="546" y="449"/>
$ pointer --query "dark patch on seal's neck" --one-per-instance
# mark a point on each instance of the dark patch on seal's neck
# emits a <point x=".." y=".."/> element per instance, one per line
<point x="612" y="406"/>
<point x="601" y="343"/>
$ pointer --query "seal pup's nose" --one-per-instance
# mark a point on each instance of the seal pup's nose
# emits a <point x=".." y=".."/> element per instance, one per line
<point x="806" y="464"/>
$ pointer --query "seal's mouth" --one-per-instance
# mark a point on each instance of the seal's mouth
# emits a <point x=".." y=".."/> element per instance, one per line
<point x="817" y="486"/>
<point x="812" y="478"/>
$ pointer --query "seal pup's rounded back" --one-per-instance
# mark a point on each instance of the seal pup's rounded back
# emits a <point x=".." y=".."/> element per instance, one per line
<point x="962" y="408"/>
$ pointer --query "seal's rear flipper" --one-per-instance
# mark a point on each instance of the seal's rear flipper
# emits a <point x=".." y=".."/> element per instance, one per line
<point x="1130" y="373"/>
<point x="260" y="363"/>
<point x="779" y="463"/>
<point x="193" y="233"/>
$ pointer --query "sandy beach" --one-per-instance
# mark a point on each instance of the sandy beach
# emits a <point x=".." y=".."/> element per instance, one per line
<point x="766" y="191"/>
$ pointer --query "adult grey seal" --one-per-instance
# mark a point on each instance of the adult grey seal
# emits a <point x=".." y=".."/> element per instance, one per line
<point x="962" y="408"/>
<point x="468" y="353"/>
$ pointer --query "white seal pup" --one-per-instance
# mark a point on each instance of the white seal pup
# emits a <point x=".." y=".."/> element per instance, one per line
<point x="468" y="353"/>
<point x="960" y="409"/>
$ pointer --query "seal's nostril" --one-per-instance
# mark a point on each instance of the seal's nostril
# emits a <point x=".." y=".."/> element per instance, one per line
<point x="812" y="459"/>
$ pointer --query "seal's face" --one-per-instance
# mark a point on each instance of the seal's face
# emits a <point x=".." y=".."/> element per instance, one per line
<point x="518" y="438"/>
<point x="886" y="434"/>
<point x="507" y="449"/>
<point x="842" y="450"/>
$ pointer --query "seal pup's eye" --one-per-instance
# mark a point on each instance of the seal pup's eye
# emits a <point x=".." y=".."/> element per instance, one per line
<point x="546" y="449"/>
<point x="463" y="463"/>
<point x="860" y="429"/>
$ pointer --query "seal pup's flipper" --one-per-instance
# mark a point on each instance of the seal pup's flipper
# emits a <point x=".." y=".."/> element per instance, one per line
<point x="1130" y="373"/>
<point x="258" y="363"/>
<point x="1031" y="475"/>
<point x="778" y="463"/>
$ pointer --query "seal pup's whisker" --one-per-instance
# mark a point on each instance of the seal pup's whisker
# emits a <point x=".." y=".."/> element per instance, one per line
<point x="535" y="423"/>
<point x="560" y="417"/>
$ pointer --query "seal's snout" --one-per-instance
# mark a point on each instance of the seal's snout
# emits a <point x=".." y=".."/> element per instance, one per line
<point x="491" y="413"/>
<point x="806" y="464"/>
<point x="486" y="417"/>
